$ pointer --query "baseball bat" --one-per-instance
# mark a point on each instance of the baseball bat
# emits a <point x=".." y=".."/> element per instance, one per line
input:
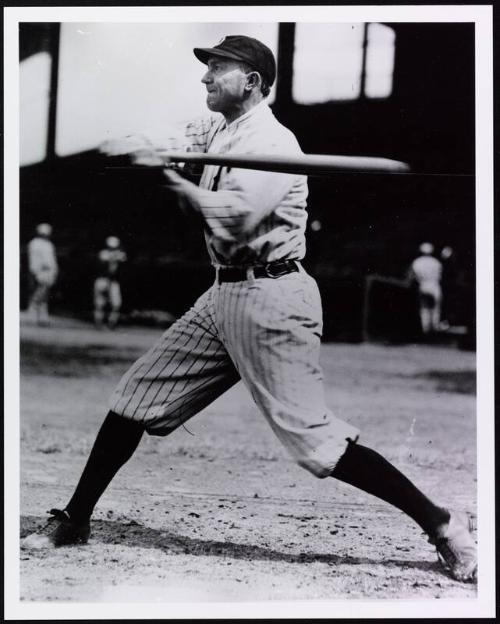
<point x="305" y="164"/>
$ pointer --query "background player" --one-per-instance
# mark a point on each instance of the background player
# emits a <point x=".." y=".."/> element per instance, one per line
<point x="450" y="272"/>
<point x="259" y="322"/>
<point x="107" y="289"/>
<point x="43" y="270"/>
<point x="426" y="270"/>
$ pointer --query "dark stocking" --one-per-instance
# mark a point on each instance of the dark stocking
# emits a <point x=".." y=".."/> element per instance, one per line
<point x="369" y="471"/>
<point x="115" y="444"/>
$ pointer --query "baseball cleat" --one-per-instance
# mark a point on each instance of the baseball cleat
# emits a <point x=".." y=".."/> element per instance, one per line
<point x="59" y="531"/>
<point x="456" y="548"/>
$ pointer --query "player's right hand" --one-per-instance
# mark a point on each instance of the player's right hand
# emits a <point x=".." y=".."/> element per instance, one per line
<point x="121" y="146"/>
<point x="140" y="150"/>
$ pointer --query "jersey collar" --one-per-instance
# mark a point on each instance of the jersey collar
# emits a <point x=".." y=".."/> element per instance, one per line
<point x="261" y="109"/>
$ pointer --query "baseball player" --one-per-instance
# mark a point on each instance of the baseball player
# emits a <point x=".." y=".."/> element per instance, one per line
<point x="43" y="269"/>
<point x="426" y="270"/>
<point x="107" y="290"/>
<point x="449" y="276"/>
<point x="260" y="321"/>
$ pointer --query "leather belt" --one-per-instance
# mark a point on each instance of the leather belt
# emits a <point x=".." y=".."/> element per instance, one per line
<point x="272" y="270"/>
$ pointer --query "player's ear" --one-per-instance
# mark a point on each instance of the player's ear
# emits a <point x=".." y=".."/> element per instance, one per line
<point x="253" y="80"/>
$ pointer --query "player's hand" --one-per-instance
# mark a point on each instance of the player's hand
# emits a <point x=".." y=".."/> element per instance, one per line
<point x="138" y="148"/>
<point x="174" y="181"/>
<point x="186" y="191"/>
<point x="120" y="146"/>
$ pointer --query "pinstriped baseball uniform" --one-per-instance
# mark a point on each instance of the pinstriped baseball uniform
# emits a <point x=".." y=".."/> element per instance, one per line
<point x="265" y="331"/>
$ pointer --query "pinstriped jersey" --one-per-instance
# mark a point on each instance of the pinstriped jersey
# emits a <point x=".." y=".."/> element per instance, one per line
<point x="251" y="217"/>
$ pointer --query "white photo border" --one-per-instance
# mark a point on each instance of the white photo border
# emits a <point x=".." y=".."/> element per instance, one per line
<point x="484" y="604"/>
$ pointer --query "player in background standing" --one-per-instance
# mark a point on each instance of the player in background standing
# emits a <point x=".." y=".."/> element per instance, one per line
<point x="261" y="321"/>
<point x="107" y="289"/>
<point x="43" y="270"/>
<point x="427" y="270"/>
<point x="449" y="287"/>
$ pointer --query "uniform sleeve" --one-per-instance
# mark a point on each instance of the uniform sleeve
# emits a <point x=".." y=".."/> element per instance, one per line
<point x="193" y="135"/>
<point x="199" y="132"/>
<point x="244" y="198"/>
<point x="247" y="196"/>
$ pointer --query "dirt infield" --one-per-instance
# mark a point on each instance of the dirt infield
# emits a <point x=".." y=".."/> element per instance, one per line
<point x="218" y="511"/>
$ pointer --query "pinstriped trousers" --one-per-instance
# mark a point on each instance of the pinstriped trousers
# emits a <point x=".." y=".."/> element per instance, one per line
<point x="263" y="331"/>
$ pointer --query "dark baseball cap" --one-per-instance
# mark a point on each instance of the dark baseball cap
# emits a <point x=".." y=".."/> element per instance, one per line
<point x="242" y="48"/>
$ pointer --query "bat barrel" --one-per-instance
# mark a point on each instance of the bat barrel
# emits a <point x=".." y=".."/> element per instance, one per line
<point x="306" y="164"/>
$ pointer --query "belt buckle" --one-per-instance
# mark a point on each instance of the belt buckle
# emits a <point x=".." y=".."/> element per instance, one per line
<point x="278" y="272"/>
<point x="266" y="268"/>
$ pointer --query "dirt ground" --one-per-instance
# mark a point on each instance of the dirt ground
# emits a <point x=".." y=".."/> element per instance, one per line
<point x="218" y="511"/>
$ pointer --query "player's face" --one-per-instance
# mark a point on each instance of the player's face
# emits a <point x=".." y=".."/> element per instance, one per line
<point x="225" y="82"/>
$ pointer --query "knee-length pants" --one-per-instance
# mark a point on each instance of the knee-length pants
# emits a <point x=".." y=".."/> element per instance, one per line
<point x="263" y="331"/>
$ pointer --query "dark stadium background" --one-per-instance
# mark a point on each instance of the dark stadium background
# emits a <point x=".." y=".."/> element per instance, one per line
<point x="371" y="224"/>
